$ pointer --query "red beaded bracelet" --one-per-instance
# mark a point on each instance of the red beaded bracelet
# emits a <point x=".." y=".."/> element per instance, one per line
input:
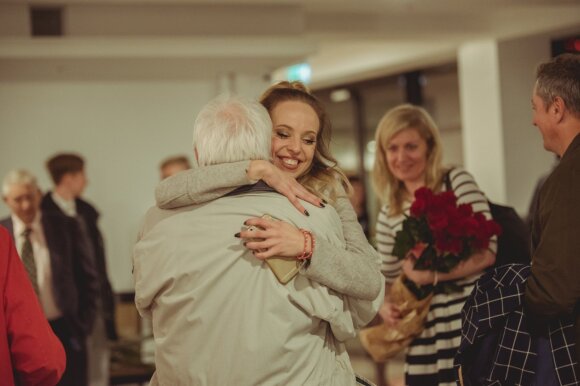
<point x="305" y="253"/>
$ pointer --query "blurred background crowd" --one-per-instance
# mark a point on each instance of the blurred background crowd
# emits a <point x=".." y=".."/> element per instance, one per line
<point x="120" y="83"/>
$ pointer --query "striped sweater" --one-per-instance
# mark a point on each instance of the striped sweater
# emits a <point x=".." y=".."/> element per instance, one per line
<point x="430" y="356"/>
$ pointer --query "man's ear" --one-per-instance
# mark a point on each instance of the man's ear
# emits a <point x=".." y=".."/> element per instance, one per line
<point x="557" y="108"/>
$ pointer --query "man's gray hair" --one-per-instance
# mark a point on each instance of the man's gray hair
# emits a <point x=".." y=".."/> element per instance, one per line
<point x="18" y="177"/>
<point x="230" y="129"/>
<point x="560" y="77"/>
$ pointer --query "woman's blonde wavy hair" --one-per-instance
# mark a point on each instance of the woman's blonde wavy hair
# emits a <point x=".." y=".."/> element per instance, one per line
<point x="389" y="189"/>
<point x="323" y="177"/>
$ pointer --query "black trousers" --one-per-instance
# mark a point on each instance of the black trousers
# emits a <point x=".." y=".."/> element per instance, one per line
<point x="76" y="372"/>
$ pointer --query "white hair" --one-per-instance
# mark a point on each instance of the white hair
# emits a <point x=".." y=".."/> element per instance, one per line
<point x="18" y="177"/>
<point x="230" y="129"/>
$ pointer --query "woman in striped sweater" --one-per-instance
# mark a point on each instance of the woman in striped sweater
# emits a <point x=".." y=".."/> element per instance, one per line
<point x="409" y="157"/>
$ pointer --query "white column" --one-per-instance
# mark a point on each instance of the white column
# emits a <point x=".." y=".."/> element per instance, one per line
<point x="479" y="96"/>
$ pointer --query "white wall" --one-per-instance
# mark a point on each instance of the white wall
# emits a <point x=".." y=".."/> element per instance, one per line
<point x="123" y="129"/>
<point x="452" y="148"/>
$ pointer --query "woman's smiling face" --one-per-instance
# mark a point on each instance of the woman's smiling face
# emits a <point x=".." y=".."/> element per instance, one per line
<point x="296" y="127"/>
<point x="407" y="154"/>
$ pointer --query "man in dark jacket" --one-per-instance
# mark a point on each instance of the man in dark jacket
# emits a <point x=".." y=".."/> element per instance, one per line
<point x="553" y="288"/>
<point x="59" y="264"/>
<point x="68" y="174"/>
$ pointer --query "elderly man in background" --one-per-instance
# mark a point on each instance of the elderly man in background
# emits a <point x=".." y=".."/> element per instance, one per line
<point x="60" y="266"/>
<point x="30" y="353"/>
<point x="172" y="165"/>
<point x="220" y="316"/>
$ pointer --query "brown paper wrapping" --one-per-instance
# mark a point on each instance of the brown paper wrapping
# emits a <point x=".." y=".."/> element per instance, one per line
<point x="383" y="342"/>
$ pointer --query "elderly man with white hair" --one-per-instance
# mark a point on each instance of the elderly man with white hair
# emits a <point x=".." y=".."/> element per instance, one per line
<point x="220" y="315"/>
<point x="60" y="266"/>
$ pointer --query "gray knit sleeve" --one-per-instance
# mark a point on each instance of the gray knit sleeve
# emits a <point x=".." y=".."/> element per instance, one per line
<point x="202" y="184"/>
<point x="353" y="271"/>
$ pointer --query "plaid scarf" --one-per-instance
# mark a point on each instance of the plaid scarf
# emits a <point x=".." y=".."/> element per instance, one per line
<point x="496" y="307"/>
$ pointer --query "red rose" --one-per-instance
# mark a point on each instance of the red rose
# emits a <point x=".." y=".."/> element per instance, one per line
<point x="470" y="226"/>
<point x="448" y="199"/>
<point x="455" y="246"/>
<point x="423" y="198"/>
<point x="418" y="207"/>
<point x="457" y="227"/>
<point x="453" y="230"/>
<point x="466" y="210"/>
<point x="437" y="220"/>
<point x="450" y="245"/>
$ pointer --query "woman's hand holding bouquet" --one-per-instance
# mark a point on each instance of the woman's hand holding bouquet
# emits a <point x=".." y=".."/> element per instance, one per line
<point x="437" y="236"/>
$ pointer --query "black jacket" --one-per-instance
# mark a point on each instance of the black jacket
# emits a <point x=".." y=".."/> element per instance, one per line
<point x="88" y="217"/>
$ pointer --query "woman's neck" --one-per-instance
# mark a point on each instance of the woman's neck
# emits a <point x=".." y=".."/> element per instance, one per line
<point x="412" y="186"/>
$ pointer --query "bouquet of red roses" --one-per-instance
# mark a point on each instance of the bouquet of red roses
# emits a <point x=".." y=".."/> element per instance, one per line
<point x="441" y="234"/>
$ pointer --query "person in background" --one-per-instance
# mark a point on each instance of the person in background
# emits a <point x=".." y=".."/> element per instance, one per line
<point x="301" y="166"/>
<point x="553" y="288"/>
<point x="173" y="165"/>
<point x="408" y="157"/>
<point x="30" y="353"/>
<point x="60" y="266"/>
<point x="194" y="283"/>
<point x="358" y="200"/>
<point x="67" y="171"/>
